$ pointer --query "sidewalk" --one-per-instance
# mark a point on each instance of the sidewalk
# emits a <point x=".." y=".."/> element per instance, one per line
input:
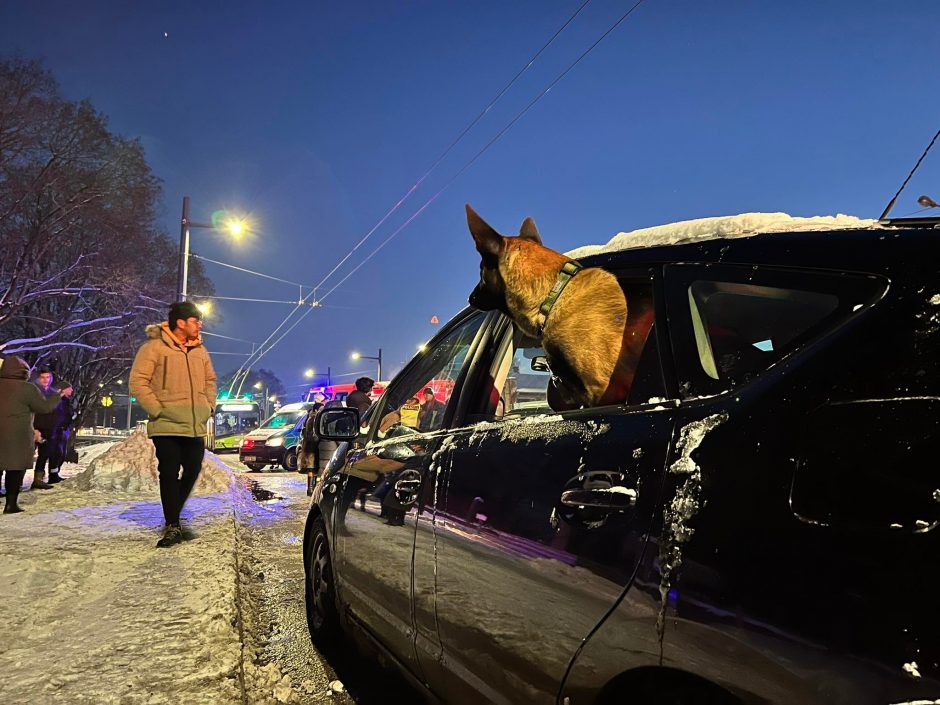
<point x="94" y="613"/>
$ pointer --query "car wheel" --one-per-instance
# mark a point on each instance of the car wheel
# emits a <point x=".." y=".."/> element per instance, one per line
<point x="320" y="592"/>
<point x="290" y="460"/>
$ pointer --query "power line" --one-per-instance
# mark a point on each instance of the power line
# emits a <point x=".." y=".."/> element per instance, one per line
<point x="263" y="352"/>
<point x="454" y="143"/>
<point x="228" y="337"/>
<point x="249" y="271"/>
<point x="489" y="144"/>
<point x="296" y="302"/>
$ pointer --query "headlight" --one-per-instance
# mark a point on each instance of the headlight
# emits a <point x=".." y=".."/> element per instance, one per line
<point x="274" y="442"/>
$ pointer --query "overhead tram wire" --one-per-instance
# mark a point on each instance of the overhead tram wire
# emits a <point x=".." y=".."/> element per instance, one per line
<point x="454" y="178"/>
<point x="424" y="176"/>
<point x="488" y="145"/>
<point x="454" y="143"/>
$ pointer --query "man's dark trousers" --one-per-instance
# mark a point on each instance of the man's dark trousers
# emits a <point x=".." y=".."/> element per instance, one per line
<point x="173" y="452"/>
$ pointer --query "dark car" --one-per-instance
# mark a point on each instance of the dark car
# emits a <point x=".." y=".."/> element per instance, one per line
<point x="757" y="524"/>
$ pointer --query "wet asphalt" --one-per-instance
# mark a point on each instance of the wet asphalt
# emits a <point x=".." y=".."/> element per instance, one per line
<point x="270" y="530"/>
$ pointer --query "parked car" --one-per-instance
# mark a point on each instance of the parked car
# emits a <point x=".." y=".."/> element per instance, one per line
<point x="756" y="524"/>
<point x="276" y="441"/>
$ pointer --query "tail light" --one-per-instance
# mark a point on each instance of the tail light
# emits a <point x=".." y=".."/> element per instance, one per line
<point x="247" y="443"/>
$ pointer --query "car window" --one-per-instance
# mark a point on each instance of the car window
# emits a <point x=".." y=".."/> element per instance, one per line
<point x="741" y="329"/>
<point x="522" y="371"/>
<point x="416" y="401"/>
<point x="731" y="323"/>
<point x="287" y="418"/>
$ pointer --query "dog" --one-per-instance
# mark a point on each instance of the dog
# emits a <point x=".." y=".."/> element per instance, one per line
<point x="592" y="351"/>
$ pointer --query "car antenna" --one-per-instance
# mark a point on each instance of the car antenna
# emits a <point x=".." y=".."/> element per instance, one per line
<point x="891" y="203"/>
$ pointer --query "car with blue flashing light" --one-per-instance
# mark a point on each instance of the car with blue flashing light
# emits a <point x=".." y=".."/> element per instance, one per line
<point x="276" y="441"/>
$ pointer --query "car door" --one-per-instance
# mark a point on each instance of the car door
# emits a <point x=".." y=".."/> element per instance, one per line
<point x="378" y="488"/>
<point x="541" y="523"/>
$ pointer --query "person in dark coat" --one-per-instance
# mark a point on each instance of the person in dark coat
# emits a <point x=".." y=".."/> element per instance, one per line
<point x="19" y="400"/>
<point x="359" y="399"/>
<point x="431" y="413"/>
<point x="54" y="430"/>
<point x="308" y="460"/>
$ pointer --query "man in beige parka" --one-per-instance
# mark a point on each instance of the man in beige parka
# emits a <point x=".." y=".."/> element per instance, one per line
<point x="173" y="379"/>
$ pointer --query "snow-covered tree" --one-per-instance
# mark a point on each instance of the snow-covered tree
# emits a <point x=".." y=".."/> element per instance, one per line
<point x="83" y="264"/>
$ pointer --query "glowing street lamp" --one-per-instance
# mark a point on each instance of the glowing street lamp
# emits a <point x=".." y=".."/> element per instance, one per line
<point x="235" y="227"/>
<point x="360" y="356"/>
<point x="309" y="373"/>
<point x="205" y="308"/>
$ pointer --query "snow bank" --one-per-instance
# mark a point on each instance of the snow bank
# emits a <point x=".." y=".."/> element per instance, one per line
<point x="131" y="466"/>
<point x="729" y="226"/>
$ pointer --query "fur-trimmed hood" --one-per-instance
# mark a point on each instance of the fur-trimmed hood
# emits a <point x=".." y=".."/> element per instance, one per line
<point x="162" y="330"/>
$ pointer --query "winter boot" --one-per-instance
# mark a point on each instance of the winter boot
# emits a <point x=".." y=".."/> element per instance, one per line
<point x="38" y="483"/>
<point x="54" y="477"/>
<point x="172" y="536"/>
<point x="14" y="481"/>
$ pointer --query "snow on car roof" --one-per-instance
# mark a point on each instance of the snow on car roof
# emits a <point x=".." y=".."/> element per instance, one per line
<point x="729" y="226"/>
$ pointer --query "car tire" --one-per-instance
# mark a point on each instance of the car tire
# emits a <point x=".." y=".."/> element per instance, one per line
<point x="320" y="588"/>
<point x="290" y="460"/>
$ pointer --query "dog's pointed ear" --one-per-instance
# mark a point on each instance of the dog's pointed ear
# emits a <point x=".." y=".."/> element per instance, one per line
<point x="488" y="241"/>
<point x="529" y="231"/>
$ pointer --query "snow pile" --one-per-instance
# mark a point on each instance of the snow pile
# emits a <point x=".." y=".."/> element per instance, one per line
<point x="729" y="226"/>
<point x="131" y="466"/>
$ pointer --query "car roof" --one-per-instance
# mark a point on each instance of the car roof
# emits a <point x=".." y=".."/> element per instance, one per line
<point x="296" y="406"/>
<point x="723" y="227"/>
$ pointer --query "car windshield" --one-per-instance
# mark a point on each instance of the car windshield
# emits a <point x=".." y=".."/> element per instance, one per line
<point x="283" y="419"/>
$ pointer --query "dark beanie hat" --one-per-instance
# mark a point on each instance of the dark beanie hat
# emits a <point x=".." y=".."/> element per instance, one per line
<point x="184" y="310"/>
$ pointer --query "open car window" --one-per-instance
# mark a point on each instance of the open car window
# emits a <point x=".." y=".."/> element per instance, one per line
<point x="521" y="375"/>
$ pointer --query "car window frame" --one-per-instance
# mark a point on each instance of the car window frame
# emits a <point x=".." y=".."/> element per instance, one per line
<point x="692" y="379"/>
<point x="501" y="335"/>
<point x="479" y="339"/>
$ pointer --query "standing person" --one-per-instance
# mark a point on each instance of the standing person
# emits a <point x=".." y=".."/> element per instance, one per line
<point x="429" y="418"/>
<point x="308" y="460"/>
<point x="53" y="431"/>
<point x="173" y="379"/>
<point x="359" y="399"/>
<point x="19" y="400"/>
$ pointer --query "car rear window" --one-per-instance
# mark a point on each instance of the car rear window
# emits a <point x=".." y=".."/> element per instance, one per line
<point x="741" y="329"/>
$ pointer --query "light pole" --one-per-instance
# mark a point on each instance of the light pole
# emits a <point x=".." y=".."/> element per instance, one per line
<point x="359" y="356"/>
<point x="235" y="228"/>
<point x="259" y="385"/>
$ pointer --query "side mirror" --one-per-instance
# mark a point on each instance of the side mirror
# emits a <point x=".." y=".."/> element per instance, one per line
<point x="870" y="465"/>
<point x="540" y="364"/>
<point x="338" y="424"/>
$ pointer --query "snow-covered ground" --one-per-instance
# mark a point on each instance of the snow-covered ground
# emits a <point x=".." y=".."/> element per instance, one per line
<point x="94" y="613"/>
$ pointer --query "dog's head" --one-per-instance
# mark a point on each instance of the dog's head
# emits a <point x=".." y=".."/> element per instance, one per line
<point x="490" y="293"/>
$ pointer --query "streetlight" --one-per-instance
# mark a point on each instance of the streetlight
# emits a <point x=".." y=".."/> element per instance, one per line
<point x="309" y="373"/>
<point x="259" y="385"/>
<point x="360" y="356"/>
<point x="235" y="227"/>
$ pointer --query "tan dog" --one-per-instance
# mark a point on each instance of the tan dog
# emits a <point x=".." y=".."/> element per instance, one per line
<point x="591" y="351"/>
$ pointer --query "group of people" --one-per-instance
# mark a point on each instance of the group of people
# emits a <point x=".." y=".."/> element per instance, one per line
<point x="424" y="414"/>
<point x="35" y="421"/>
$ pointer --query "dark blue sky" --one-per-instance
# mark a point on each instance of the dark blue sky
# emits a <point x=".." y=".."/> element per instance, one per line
<point x="316" y="118"/>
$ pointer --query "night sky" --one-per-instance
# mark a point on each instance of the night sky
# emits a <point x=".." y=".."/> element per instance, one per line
<point x="316" y="118"/>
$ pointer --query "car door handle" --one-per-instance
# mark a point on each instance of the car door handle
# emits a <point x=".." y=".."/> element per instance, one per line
<point x="613" y="498"/>
<point x="406" y="487"/>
